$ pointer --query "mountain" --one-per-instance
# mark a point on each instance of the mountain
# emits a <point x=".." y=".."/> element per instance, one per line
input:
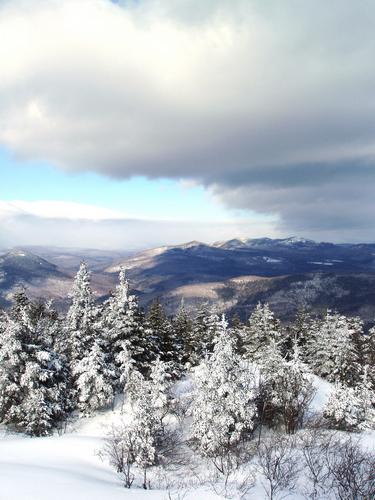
<point x="288" y="273"/>
<point x="21" y="268"/>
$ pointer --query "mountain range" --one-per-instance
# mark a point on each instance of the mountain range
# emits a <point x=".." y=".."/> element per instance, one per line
<point x="288" y="273"/>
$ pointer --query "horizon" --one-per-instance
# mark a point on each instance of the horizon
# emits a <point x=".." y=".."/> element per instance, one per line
<point x="164" y="122"/>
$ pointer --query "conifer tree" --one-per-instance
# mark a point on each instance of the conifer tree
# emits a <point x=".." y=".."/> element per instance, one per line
<point x="351" y="408"/>
<point x="183" y="331"/>
<point x="262" y="328"/>
<point x="205" y="326"/>
<point x="167" y="344"/>
<point x="34" y="394"/>
<point x="124" y="332"/>
<point x="332" y="350"/>
<point x="287" y="387"/>
<point x="82" y="317"/>
<point x="94" y="380"/>
<point x="224" y="408"/>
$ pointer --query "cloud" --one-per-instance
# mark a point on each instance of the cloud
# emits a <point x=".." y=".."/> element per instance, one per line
<point x="268" y="104"/>
<point x="66" y="224"/>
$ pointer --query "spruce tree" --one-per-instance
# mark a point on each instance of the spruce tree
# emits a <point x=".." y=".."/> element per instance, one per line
<point x="123" y="330"/>
<point x="94" y="380"/>
<point x="262" y="329"/>
<point x="183" y="331"/>
<point x="167" y="344"/>
<point x="205" y="326"/>
<point x="332" y="350"/>
<point x="224" y="408"/>
<point x="34" y="381"/>
<point x="81" y="319"/>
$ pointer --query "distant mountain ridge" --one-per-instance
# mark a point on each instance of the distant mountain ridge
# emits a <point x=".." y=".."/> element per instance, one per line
<point x="234" y="274"/>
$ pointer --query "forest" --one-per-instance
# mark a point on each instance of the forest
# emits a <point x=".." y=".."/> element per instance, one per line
<point x="197" y="388"/>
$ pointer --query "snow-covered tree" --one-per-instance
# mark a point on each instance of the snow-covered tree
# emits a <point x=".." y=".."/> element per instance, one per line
<point x="262" y="328"/>
<point x="299" y="332"/>
<point x="183" y="330"/>
<point x="81" y="320"/>
<point x="124" y="332"/>
<point x="205" y="325"/>
<point x="367" y="348"/>
<point x="160" y="386"/>
<point x="332" y="351"/>
<point x="168" y="346"/>
<point x="45" y="400"/>
<point x="287" y="388"/>
<point x="144" y="431"/>
<point x="34" y="382"/>
<point x="13" y="358"/>
<point x="351" y="408"/>
<point x="224" y="408"/>
<point x="94" y="380"/>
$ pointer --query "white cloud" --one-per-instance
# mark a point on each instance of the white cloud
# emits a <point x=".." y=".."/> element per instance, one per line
<point x="56" y="223"/>
<point x="51" y="209"/>
<point x="241" y="95"/>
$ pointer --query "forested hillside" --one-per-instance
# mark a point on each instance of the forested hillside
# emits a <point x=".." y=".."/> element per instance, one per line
<point x="235" y="398"/>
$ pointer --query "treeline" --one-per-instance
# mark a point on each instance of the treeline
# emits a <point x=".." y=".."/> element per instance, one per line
<point x="52" y="366"/>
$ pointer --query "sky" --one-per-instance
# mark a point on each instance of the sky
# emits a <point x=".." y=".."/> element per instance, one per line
<point x="140" y="123"/>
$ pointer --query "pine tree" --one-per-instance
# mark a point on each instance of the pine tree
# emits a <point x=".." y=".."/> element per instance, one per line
<point x="299" y="332"/>
<point x="168" y="345"/>
<point x="183" y="331"/>
<point x="224" y="407"/>
<point x="263" y="328"/>
<point x="33" y="377"/>
<point x="332" y="350"/>
<point x="124" y="332"/>
<point x="45" y="392"/>
<point x="144" y="431"/>
<point x="82" y="317"/>
<point x="13" y="358"/>
<point x="160" y="386"/>
<point x="287" y="387"/>
<point x="367" y="349"/>
<point x="94" y="380"/>
<point x="205" y="326"/>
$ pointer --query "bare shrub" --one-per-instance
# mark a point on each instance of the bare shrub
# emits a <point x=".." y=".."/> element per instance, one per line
<point x="315" y="445"/>
<point x="351" y="471"/>
<point x="279" y="464"/>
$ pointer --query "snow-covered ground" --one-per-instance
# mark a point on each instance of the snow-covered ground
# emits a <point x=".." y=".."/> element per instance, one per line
<point x="68" y="467"/>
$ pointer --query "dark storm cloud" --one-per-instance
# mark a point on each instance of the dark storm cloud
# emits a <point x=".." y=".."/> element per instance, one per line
<point x="269" y="104"/>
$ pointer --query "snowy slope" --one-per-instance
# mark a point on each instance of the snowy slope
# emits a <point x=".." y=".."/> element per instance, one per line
<point x="68" y="467"/>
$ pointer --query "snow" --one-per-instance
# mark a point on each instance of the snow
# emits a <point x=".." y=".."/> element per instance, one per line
<point x="321" y="263"/>
<point x="68" y="466"/>
<point x="323" y="391"/>
<point x="270" y="260"/>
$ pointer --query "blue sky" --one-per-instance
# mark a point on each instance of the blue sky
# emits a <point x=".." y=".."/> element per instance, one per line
<point x="137" y="197"/>
<point x="264" y="110"/>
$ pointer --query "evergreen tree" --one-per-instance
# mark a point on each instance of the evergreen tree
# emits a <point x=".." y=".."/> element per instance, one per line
<point x="287" y="387"/>
<point x="299" y="332"/>
<point x="332" y="350"/>
<point x="34" y="394"/>
<point x="205" y="326"/>
<point x="224" y="407"/>
<point x="183" y="331"/>
<point x="124" y="332"/>
<point x="94" y="380"/>
<point x="351" y="408"/>
<point x="82" y="317"/>
<point x="168" y="345"/>
<point x="263" y="328"/>
<point x="367" y="349"/>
